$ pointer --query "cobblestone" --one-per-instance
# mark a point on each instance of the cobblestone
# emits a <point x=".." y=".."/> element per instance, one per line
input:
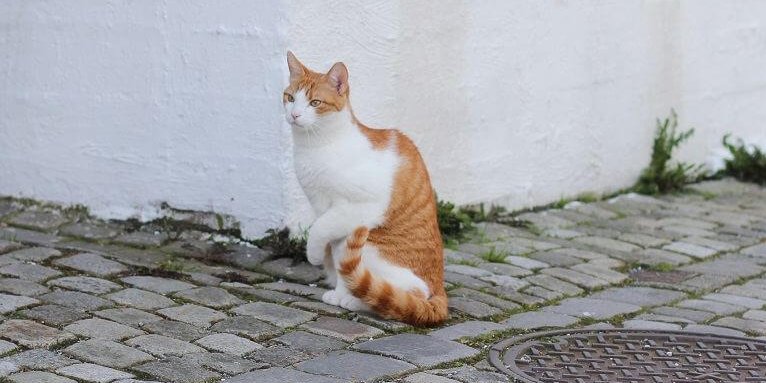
<point x="10" y="303"/>
<point x="341" y="328"/>
<point x="162" y="346"/>
<point x="246" y="326"/>
<point x="91" y="285"/>
<point x="107" y="353"/>
<point x="345" y="365"/>
<point x="128" y="316"/>
<point x="275" y="314"/>
<point x="32" y="334"/>
<point x="92" y="264"/>
<point x="228" y="344"/>
<point x="29" y="271"/>
<point x="214" y="297"/>
<point x="193" y="314"/>
<point x="535" y="320"/>
<point x="76" y="300"/>
<point x="38" y="377"/>
<point x="421" y="350"/>
<point x="93" y="373"/>
<point x="102" y="329"/>
<point x="157" y="284"/>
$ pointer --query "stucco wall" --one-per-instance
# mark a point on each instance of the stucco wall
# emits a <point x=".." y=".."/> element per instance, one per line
<point x="121" y="105"/>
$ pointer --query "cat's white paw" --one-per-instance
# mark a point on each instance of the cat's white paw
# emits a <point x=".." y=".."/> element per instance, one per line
<point x="331" y="298"/>
<point x="315" y="250"/>
<point x="350" y="302"/>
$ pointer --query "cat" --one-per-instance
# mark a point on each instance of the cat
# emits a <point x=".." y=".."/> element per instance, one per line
<point x="376" y="231"/>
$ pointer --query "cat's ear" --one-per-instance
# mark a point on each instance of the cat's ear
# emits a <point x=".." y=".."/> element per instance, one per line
<point x="338" y="77"/>
<point x="296" y="68"/>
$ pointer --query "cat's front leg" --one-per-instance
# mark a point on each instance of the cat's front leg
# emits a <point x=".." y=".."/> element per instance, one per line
<point x="337" y="223"/>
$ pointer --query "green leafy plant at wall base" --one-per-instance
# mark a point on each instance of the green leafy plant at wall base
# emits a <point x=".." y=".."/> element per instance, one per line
<point x="748" y="163"/>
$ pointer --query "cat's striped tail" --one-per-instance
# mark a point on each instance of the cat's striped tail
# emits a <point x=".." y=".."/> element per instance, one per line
<point x="386" y="299"/>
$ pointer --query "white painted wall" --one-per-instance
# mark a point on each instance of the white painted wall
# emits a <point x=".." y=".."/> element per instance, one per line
<point x="123" y="104"/>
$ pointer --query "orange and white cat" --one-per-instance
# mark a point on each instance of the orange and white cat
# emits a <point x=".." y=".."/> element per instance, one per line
<point x="376" y="231"/>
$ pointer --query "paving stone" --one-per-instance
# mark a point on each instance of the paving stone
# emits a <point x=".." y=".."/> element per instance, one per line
<point x="29" y="271"/>
<point x="93" y="373"/>
<point x="466" y="329"/>
<point x="464" y="280"/>
<point x="275" y="314"/>
<point x="246" y="326"/>
<point x="483" y="297"/>
<point x="6" y="246"/>
<point x="469" y="374"/>
<point x="141" y="299"/>
<point x="279" y="356"/>
<point x="686" y="230"/>
<point x="32" y="334"/>
<point x="43" y="220"/>
<point x="718" y="308"/>
<point x="515" y="296"/>
<point x="652" y="317"/>
<point x="128" y="316"/>
<point x="224" y="363"/>
<point x="755" y="250"/>
<point x="535" y="320"/>
<point x="525" y="262"/>
<point x="28" y="236"/>
<point x="311" y="344"/>
<point x="543" y="293"/>
<point x="345" y="365"/>
<point x="562" y="233"/>
<point x="705" y="329"/>
<point x="301" y="272"/>
<point x="341" y="328"/>
<point x="38" y="359"/>
<point x="592" y="308"/>
<point x="214" y="297"/>
<point x="175" y="329"/>
<point x="654" y="257"/>
<point x="575" y="277"/>
<point x="710" y="243"/>
<point x="457" y="256"/>
<point x="91" y="285"/>
<point x="599" y="272"/>
<point x="93" y="264"/>
<point x="53" y="314"/>
<point x="157" y="284"/>
<point x="34" y="254"/>
<point x="76" y="300"/>
<point x="702" y="283"/>
<point x="177" y="370"/>
<point x="692" y="315"/>
<point x="193" y="314"/>
<point x="376" y="321"/>
<point x="38" y="377"/>
<point x="162" y="346"/>
<point x="649" y="325"/>
<point x="142" y="239"/>
<point x="607" y="244"/>
<point x="751" y="303"/>
<point x="472" y="308"/>
<point x="320" y="307"/>
<point x="11" y="303"/>
<point x="556" y="258"/>
<point x="746" y="325"/>
<point x="90" y="230"/>
<point x="554" y="284"/>
<point x="642" y="240"/>
<point x="751" y="290"/>
<point x="266" y="295"/>
<point x="467" y="270"/>
<point x="504" y="269"/>
<point x="22" y="287"/>
<point x="642" y="296"/>
<point x="102" y="329"/>
<point x="506" y="281"/>
<point x="422" y="377"/>
<point x="107" y="353"/>
<point x="228" y="344"/>
<point x="727" y="266"/>
<point x="282" y="375"/>
<point x="312" y="292"/>
<point x="421" y="350"/>
<point x="759" y="315"/>
<point x="689" y="249"/>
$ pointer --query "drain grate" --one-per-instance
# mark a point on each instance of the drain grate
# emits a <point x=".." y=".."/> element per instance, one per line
<point x="630" y="356"/>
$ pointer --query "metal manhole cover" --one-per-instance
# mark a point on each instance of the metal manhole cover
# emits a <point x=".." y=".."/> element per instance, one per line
<point x="630" y="356"/>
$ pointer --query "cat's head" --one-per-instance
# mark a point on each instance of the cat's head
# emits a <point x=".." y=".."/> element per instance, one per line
<point x="313" y="97"/>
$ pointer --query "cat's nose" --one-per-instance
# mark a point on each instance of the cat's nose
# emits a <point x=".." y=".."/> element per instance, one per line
<point x="295" y="115"/>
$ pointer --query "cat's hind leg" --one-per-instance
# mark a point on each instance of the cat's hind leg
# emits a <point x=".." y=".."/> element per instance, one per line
<point x="341" y="295"/>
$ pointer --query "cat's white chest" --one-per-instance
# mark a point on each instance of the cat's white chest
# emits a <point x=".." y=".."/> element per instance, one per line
<point x="347" y="170"/>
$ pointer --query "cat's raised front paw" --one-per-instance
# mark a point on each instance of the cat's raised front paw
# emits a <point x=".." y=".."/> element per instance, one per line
<point x="315" y="251"/>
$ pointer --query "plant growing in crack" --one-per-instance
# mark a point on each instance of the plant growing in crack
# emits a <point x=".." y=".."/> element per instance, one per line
<point x="747" y="162"/>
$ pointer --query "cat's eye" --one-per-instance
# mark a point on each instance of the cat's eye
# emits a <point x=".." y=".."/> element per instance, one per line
<point x="315" y="103"/>
<point x="290" y="97"/>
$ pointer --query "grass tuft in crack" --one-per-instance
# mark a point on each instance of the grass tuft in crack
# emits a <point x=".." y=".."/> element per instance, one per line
<point x="663" y="176"/>
<point x="282" y="245"/>
<point x="748" y="162"/>
<point x="454" y="223"/>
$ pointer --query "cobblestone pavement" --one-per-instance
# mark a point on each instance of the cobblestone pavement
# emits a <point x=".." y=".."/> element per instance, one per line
<point x="93" y="302"/>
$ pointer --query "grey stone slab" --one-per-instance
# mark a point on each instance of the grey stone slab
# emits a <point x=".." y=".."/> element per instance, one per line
<point x="642" y="240"/>
<point x="483" y="297"/>
<point x="90" y="230"/>
<point x="275" y="314"/>
<point x="177" y="370"/>
<point x="726" y="266"/>
<point x="639" y="324"/>
<point x="102" y="329"/>
<point x="280" y="356"/>
<point x="422" y="377"/>
<point x="718" y="308"/>
<point x="752" y="290"/>
<point x="6" y="368"/>
<point x="652" y="317"/>
<point x="654" y="257"/>
<point x="320" y="307"/>
<point x="311" y="344"/>
<point x="466" y="329"/>
<point x="192" y="314"/>
<point x="469" y="374"/>
<point x="341" y="328"/>
<point x="711" y="243"/>
<point x="54" y="314"/>
<point x="755" y="250"/>
<point x="38" y="377"/>
<point x="690" y="249"/>
<point x="6" y="246"/>
<point x="703" y="283"/>
<point x="76" y="300"/>
<point x="526" y="262"/>
<point x="556" y="258"/>
<point x="592" y="308"/>
<point x="228" y="344"/>
<point x="642" y="296"/>
<point x="300" y="272"/>
<point x="312" y="292"/>
<point x="107" y="353"/>
<point x="535" y="320"/>
<point x="600" y="272"/>
<point x="43" y="220"/>
<point x="142" y="239"/>
<point x="7" y="347"/>
<point x="34" y="254"/>
<point x="246" y="326"/>
<point x="554" y="284"/>
<point x="162" y="346"/>
<point x="157" y="284"/>
<point x="32" y="334"/>
<point x="281" y="375"/>
<point x="91" y="285"/>
<point x="10" y="303"/>
<point x="272" y="296"/>
<point x="515" y="296"/>
<point x="214" y="297"/>
<point x="544" y="293"/>
<point x="28" y="236"/>
<point x="504" y="269"/>
<point x="421" y="350"/>
<point x="345" y="365"/>
<point x="128" y="316"/>
<point x="224" y="363"/>
<point x="692" y="315"/>
<point x="89" y="372"/>
<point x="575" y="277"/>
<point x="607" y="244"/>
<point x="741" y="324"/>
<point x="468" y="270"/>
<point x="506" y="281"/>
<point x="472" y="308"/>
<point x="38" y="359"/>
<point x="29" y="271"/>
<point x="175" y="329"/>
<point x="751" y="303"/>
<point x="140" y="299"/>
<point x="464" y="280"/>
<point x="376" y="321"/>
<point x="705" y="329"/>
<point x="93" y="264"/>
<point x="759" y="315"/>
<point x="22" y="287"/>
